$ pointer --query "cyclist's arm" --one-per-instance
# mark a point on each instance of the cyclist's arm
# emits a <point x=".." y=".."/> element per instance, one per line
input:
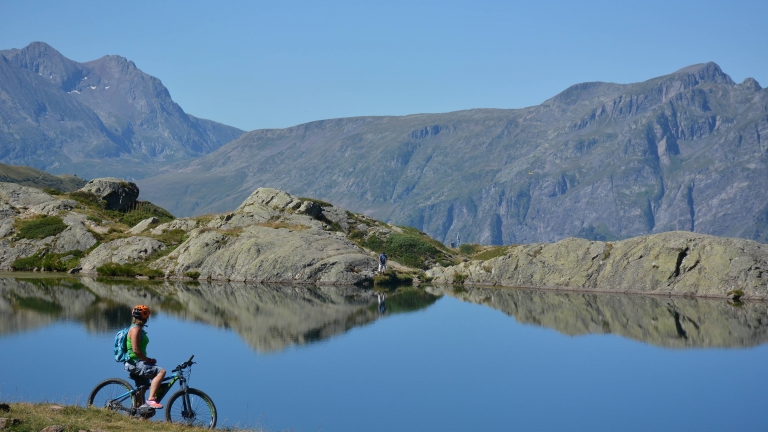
<point x="135" y="334"/>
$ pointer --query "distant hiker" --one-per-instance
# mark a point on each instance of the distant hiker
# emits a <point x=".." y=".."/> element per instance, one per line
<point x="382" y="262"/>
<point x="382" y="302"/>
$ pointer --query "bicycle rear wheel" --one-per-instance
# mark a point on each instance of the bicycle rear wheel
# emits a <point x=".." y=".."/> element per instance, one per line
<point x="200" y="411"/>
<point x="111" y="394"/>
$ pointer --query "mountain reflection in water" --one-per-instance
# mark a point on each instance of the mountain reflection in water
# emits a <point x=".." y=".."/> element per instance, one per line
<point x="673" y="322"/>
<point x="268" y="317"/>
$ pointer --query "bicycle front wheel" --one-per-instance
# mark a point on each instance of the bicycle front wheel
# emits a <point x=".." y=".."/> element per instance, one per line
<point x="113" y="394"/>
<point x="193" y="408"/>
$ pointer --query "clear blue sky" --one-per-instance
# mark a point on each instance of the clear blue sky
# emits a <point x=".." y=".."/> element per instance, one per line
<point x="275" y="64"/>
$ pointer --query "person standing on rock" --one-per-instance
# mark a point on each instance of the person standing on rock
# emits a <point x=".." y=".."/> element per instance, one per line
<point x="382" y="262"/>
<point x="140" y="365"/>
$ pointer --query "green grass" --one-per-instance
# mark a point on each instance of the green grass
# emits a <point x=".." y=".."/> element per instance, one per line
<point x="35" y="417"/>
<point x="391" y="277"/>
<point x="49" y="261"/>
<point x="141" y="210"/>
<point x="128" y="270"/>
<point x="39" y="227"/>
<point x="192" y="274"/>
<point x="493" y="252"/>
<point x="412" y="250"/>
<point x="469" y="248"/>
<point x="459" y="278"/>
<point x="317" y="201"/>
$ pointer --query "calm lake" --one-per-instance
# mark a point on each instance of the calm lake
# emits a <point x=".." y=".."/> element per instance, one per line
<point x="325" y="359"/>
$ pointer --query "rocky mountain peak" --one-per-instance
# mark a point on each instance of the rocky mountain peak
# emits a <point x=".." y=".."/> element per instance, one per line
<point x="43" y="59"/>
<point x="705" y="72"/>
<point x="751" y="84"/>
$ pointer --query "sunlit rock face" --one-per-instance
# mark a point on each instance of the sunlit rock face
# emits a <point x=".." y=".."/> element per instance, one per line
<point x="681" y="263"/>
<point x="272" y="237"/>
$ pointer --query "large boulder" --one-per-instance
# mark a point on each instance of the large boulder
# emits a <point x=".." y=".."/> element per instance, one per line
<point x="23" y="197"/>
<point x="272" y="237"/>
<point x="120" y="251"/>
<point x="264" y="254"/>
<point x="118" y="194"/>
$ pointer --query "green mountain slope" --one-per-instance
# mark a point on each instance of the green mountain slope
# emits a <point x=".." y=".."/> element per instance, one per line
<point x="28" y="176"/>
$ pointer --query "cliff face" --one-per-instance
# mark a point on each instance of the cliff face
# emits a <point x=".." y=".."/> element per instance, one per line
<point x="104" y="117"/>
<point x="668" y="263"/>
<point x="685" y="151"/>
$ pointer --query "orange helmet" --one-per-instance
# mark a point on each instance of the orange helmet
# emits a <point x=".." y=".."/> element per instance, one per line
<point x="141" y="312"/>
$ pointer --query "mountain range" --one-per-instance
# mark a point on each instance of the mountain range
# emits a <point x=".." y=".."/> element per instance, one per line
<point x="103" y="117"/>
<point x="604" y="161"/>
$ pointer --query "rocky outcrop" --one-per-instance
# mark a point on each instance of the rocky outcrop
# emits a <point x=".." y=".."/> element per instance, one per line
<point x="180" y="224"/>
<point x="118" y="194"/>
<point x="121" y="251"/>
<point x="272" y="237"/>
<point x="23" y="197"/>
<point x="673" y="263"/>
<point x="143" y="225"/>
<point x="32" y="201"/>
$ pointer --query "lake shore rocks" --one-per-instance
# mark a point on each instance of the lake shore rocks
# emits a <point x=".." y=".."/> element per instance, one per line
<point x="671" y="263"/>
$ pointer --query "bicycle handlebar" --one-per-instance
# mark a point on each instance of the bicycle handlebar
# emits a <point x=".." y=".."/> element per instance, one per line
<point x="186" y="364"/>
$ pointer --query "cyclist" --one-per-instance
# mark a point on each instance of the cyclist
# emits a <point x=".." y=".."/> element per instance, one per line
<point x="140" y="365"/>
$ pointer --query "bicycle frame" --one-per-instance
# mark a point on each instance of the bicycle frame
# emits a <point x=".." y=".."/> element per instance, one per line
<point x="178" y="375"/>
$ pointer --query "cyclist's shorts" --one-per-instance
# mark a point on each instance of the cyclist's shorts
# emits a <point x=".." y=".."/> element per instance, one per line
<point x="142" y="369"/>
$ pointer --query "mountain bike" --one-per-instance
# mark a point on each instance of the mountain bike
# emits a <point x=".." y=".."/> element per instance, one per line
<point x="188" y="405"/>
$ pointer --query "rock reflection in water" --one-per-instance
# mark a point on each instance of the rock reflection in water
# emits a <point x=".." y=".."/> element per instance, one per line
<point x="267" y="317"/>
<point x="664" y="321"/>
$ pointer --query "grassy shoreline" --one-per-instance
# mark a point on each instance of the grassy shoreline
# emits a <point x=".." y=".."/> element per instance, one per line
<point x="35" y="417"/>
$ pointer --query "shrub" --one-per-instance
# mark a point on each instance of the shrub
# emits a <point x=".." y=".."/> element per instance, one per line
<point x="317" y="201"/>
<point x="49" y="262"/>
<point x="412" y="250"/>
<point x="493" y="253"/>
<point x="41" y="227"/>
<point x="88" y="199"/>
<point x="469" y="248"/>
<point x="458" y="278"/>
<point x="53" y="191"/>
<point x="128" y="270"/>
<point x="390" y="277"/>
<point x="94" y="219"/>
<point x="141" y="210"/>
<point x="172" y="237"/>
<point x="192" y="274"/>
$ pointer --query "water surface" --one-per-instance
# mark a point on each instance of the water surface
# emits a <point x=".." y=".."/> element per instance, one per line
<point x="309" y="359"/>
